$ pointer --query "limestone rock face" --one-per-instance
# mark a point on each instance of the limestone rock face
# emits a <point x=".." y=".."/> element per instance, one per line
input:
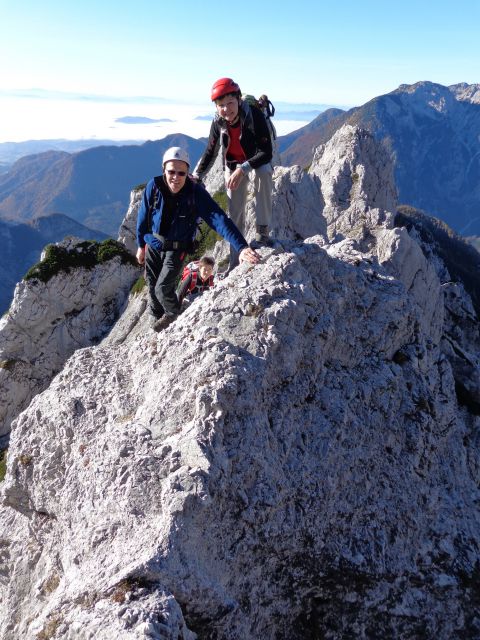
<point x="466" y="92"/>
<point x="48" y="321"/>
<point x="316" y="421"/>
<point x="461" y="330"/>
<point x="356" y="177"/>
<point x="215" y="180"/>
<point x="402" y="257"/>
<point x="127" y="233"/>
<point x="461" y="343"/>
<point x="297" y="205"/>
<point x="287" y="460"/>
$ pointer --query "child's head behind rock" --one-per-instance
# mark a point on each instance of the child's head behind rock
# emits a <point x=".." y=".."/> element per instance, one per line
<point x="205" y="267"/>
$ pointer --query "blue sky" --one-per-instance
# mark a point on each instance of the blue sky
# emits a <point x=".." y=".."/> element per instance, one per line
<point x="336" y="53"/>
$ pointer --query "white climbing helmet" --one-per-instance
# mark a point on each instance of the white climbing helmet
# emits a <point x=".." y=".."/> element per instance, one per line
<point x="175" y="153"/>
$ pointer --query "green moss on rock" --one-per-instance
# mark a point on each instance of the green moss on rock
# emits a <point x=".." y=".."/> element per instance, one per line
<point x="138" y="286"/>
<point x="7" y="364"/>
<point x="220" y="198"/>
<point x="85" y="254"/>
<point x="3" y="464"/>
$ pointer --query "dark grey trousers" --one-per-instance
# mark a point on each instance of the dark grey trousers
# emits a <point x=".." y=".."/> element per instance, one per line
<point x="162" y="269"/>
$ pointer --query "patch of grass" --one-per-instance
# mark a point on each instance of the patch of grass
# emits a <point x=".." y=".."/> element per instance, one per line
<point x="85" y="254"/>
<point x="7" y="364"/>
<point x="88" y="599"/>
<point x="3" y="464"/>
<point x="121" y="590"/>
<point x="221" y="199"/>
<point x="49" y="628"/>
<point x="125" y="418"/>
<point x="128" y="585"/>
<point x="109" y="249"/>
<point x="138" y="286"/>
<point x="208" y="238"/>
<point x="51" y="584"/>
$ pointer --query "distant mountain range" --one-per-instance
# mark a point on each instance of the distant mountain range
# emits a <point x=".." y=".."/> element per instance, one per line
<point x="10" y="152"/>
<point x="92" y="186"/>
<point x="297" y="147"/>
<point x="433" y="133"/>
<point x="22" y="244"/>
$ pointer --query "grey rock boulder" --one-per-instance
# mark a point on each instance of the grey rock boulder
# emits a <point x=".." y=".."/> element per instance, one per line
<point x="48" y="321"/>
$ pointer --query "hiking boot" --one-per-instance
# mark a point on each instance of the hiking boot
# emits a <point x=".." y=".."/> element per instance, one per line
<point x="261" y="236"/>
<point x="163" y="322"/>
<point x="152" y="320"/>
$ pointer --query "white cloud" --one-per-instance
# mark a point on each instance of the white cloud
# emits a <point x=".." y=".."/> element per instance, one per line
<point x="43" y="116"/>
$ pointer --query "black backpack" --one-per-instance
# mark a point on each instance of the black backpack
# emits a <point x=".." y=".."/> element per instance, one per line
<point x="266" y="107"/>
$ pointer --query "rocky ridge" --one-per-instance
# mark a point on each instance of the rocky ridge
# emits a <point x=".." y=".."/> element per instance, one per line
<point x="432" y="133"/>
<point x="289" y="459"/>
<point x="48" y="321"/>
<point x="22" y="245"/>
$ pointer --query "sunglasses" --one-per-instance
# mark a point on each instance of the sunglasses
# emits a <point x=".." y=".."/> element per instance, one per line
<point x="171" y="172"/>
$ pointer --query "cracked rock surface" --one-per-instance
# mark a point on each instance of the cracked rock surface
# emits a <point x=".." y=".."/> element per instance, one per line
<point x="48" y="321"/>
<point x="287" y="460"/>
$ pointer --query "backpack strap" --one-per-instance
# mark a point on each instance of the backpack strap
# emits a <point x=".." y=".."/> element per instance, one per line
<point x="193" y="282"/>
<point x="154" y="202"/>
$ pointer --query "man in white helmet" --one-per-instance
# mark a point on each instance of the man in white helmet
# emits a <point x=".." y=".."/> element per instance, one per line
<point x="166" y="227"/>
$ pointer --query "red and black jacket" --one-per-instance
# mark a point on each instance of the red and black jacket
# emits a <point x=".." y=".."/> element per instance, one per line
<point x="254" y="139"/>
<point x="193" y="284"/>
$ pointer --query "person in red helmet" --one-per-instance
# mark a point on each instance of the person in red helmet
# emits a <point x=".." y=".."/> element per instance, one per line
<point x="241" y="131"/>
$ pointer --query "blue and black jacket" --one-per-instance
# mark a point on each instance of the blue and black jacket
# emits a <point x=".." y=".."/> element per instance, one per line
<point x="186" y="207"/>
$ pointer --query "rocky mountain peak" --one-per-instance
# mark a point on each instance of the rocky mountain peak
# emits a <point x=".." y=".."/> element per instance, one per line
<point x="429" y="98"/>
<point x="356" y="177"/>
<point x="289" y="459"/>
<point x="466" y="92"/>
<point x="432" y="133"/>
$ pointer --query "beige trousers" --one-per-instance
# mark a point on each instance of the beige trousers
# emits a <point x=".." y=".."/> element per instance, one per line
<point x="237" y="201"/>
<point x="262" y="192"/>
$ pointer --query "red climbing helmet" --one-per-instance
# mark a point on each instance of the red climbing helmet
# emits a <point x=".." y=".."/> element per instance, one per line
<point x="222" y="87"/>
